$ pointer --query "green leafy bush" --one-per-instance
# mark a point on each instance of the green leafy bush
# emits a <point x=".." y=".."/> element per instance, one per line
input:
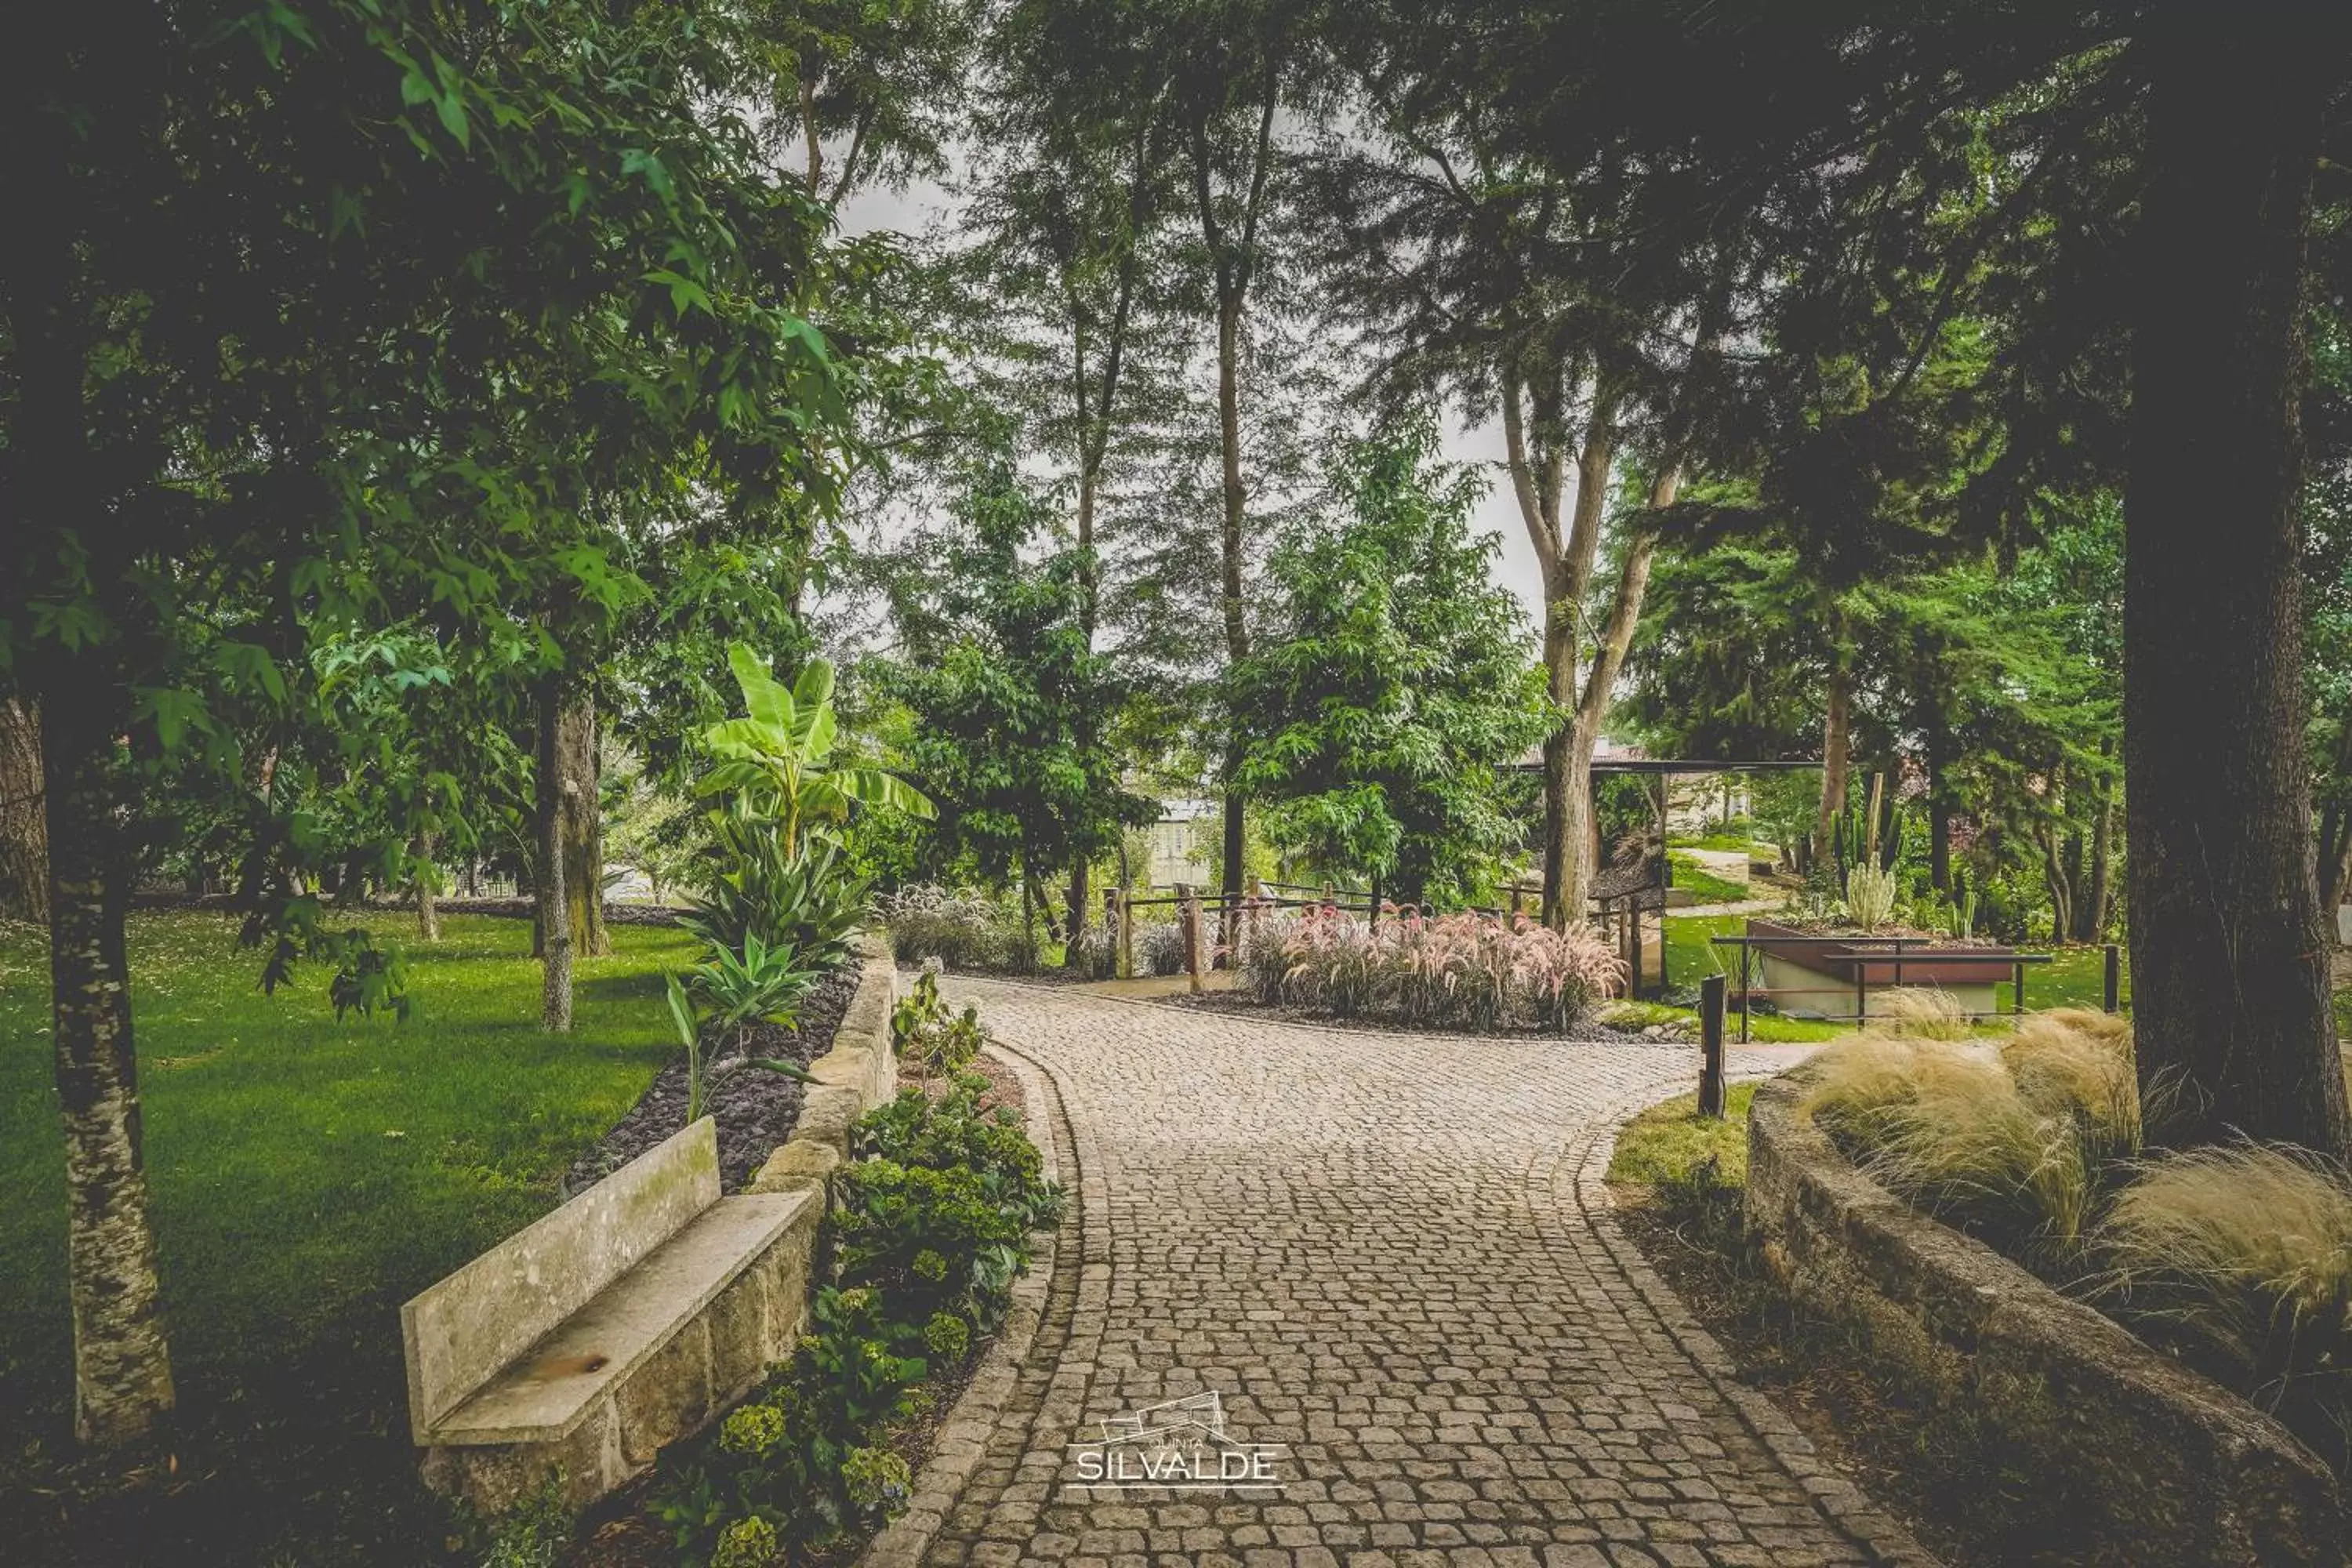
<point x="925" y="1031"/>
<point x="810" y="903"/>
<point x="929" y="1231"/>
<point x="785" y="1458"/>
<point x="939" y="1210"/>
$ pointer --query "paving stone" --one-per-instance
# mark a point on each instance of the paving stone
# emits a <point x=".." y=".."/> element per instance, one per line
<point x="1390" y="1255"/>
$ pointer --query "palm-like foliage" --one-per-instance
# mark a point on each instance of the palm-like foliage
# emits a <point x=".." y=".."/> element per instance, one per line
<point x="778" y="759"/>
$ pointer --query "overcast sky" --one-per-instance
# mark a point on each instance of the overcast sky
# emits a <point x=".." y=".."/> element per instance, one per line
<point x="925" y="207"/>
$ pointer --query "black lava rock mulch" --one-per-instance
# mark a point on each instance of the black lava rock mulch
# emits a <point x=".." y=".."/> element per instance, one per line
<point x="756" y="1110"/>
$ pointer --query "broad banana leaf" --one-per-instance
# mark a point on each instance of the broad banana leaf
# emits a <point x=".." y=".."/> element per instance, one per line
<point x="875" y="787"/>
<point x="767" y="699"/>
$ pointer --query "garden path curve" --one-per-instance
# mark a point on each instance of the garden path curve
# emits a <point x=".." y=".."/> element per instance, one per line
<point x="1393" y="1255"/>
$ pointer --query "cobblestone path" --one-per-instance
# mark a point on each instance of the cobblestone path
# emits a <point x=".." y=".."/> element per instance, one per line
<point x="1391" y="1255"/>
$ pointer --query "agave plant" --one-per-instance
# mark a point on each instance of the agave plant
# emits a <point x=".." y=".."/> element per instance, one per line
<point x="690" y="1035"/>
<point x="778" y="759"/>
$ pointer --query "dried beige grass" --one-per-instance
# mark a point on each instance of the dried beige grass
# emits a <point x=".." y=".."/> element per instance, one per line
<point x="2071" y="1061"/>
<point x="1919" y="1012"/>
<point x="2250" y="1245"/>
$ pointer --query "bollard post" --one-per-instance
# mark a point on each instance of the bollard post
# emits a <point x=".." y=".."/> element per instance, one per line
<point x="1127" y="931"/>
<point x="1712" y="1094"/>
<point x="2115" y="989"/>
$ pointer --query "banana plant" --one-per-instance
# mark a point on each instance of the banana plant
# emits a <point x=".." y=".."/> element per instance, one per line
<point x="778" y="759"/>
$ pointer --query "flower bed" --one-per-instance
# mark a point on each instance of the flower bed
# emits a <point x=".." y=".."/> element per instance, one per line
<point x="1460" y="971"/>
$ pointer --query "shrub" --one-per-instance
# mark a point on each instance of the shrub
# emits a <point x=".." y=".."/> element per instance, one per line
<point x="1096" y="951"/>
<point x="940" y="1207"/>
<point x="1465" y="971"/>
<point x="810" y="903"/>
<point x="1159" y="948"/>
<point x="925" y="1031"/>
<point x="2248" y="1251"/>
<point x="1919" y="1012"/>
<point x="785" y="1459"/>
<point x="2074" y="1062"/>
<point x="963" y="931"/>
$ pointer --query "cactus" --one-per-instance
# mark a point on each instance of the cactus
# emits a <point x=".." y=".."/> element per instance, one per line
<point x="1870" y="896"/>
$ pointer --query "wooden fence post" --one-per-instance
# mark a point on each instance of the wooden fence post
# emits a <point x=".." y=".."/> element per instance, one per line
<point x="1192" y="917"/>
<point x="2115" y="987"/>
<point x="1712" y="1093"/>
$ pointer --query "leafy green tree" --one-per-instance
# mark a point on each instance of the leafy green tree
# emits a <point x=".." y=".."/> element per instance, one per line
<point x="1502" y="277"/>
<point x="1007" y="697"/>
<point x="1395" y="684"/>
<point x="353" y="313"/>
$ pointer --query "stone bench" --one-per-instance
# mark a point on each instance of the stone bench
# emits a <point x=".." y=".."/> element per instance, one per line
<point x="575" y="1350"/>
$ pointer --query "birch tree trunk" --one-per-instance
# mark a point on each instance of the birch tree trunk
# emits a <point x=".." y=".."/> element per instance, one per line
<point x="122" y="1365"/>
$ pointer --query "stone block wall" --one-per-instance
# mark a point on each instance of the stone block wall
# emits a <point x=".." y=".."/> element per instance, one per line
<point x="2160" y="1463"/>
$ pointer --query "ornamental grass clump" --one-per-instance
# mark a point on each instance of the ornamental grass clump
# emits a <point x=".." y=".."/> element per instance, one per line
<point x="2246" y="1251"/>
<point x="1460" y="971"/>
<point x="2018" y="1142"/>
<point x="962" y="929"/>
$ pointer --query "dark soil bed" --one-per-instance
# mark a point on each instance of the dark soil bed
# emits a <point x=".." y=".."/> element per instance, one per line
<point x="755" y="1108"/>
<point x="1922" y="1465"/>
<point x="1589" y="1031"/>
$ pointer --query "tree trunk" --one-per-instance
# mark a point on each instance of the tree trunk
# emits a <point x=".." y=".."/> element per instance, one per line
<point x="2091" y="909"/>
<point x="1939" y="809"/>
<point x="568" y="784"/>
<point x="1229" y="435"/>
<point x="583" y="827"/>
<point x="1567" y="755"/>
<point x="1071" y="957"/>
<point x="554" y="907"/>
<point x="2230" y="964"/>
<point x="122" y="1365"/>
<point x="1834" y="771"/>
<point x="428" y="917"/>
<point x="23" y="824"/>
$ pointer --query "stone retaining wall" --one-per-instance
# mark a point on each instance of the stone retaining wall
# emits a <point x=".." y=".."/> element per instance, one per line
<point x="857" y="1075"/>
<point x="2164" y="1465"/>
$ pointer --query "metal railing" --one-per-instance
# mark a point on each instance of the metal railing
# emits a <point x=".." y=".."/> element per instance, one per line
<point x="1870" y="957"/>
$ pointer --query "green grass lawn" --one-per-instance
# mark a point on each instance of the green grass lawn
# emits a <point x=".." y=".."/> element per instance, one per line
<point x="307" y="1177"/>
<point x="1666" y="1143"/>
<point x="1703" y="885"/>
